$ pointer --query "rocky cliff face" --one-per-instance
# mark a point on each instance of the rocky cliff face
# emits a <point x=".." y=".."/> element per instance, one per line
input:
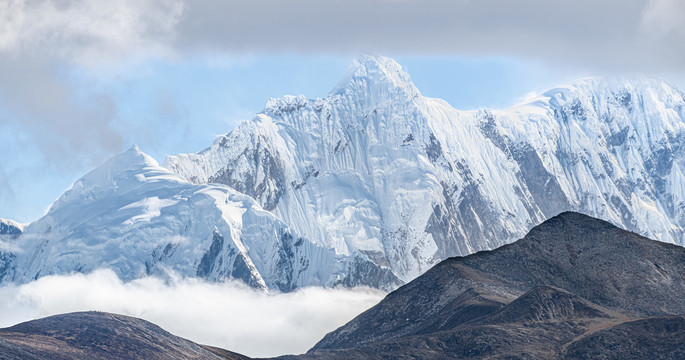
<point x="10" y="228"/>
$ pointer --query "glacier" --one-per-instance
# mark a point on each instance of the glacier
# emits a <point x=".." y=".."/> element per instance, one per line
<point x="372" y="185"/>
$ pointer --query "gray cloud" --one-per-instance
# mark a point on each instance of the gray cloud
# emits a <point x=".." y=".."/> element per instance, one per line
<point x="664" y="19"/>
<point x="628" y="34"/>
<point x="43" y="41"/>
<point x="228" y="315"/>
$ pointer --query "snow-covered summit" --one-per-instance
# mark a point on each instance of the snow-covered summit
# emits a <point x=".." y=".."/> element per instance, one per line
<point x="619" y="88"/>
<point x="371" y="75"/>
<point x="104" y="178"/>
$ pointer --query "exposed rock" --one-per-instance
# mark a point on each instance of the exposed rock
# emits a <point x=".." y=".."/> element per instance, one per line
<point x="97" y="335"/>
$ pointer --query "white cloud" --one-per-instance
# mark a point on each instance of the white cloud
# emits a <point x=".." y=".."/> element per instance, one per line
<point x="228" y="315"/>
<point x="88" y="32"/>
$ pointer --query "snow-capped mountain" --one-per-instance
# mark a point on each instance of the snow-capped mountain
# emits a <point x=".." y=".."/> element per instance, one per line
<point x="137" y="218"/>
<point x="371" y="185"/>
<point x="378" y="171"/>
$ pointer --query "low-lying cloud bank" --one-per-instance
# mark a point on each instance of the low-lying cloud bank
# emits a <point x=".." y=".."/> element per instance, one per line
<point x="228" y="315"/>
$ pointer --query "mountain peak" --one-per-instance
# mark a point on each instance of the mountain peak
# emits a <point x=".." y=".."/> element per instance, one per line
<point x="133" y="158"/>
<point x="574" y="218"/>
<point x="375" y="73"/>
<point x="100" y="335"/>
<point x="104" y="176"/>
<point x="575" y="228"/>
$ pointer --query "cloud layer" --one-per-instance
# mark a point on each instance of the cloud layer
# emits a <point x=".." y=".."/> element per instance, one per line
<point x="626" y="33"/>
<point x="228" y="315"/>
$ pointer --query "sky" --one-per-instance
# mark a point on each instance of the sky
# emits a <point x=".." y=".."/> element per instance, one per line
<point x="83" y="81"/>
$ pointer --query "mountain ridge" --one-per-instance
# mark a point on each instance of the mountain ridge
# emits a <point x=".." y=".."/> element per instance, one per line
<point x="378" y="183"/>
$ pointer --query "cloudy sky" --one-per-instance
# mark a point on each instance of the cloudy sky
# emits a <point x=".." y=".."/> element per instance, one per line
<point x="82" y="81"/>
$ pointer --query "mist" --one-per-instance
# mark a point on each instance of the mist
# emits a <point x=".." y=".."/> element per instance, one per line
<point x="229" y="315"/>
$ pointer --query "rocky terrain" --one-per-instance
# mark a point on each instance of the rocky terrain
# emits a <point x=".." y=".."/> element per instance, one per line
<point x="97" y="335"/>
<point x="9" y="228"/>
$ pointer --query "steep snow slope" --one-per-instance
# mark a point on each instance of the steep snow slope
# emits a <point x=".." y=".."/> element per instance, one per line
<point x="137" y="218"/>
<point x="379" y="172"/>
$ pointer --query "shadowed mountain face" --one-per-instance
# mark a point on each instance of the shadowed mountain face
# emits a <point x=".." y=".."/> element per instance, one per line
<point x="574" y="287"/>
<point x="96" y="335"/>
